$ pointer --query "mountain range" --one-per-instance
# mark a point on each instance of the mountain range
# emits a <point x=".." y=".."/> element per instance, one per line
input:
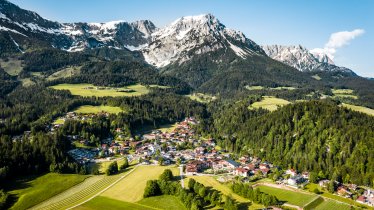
<point x="198" y="50"/>
<point x="175" y="43"/>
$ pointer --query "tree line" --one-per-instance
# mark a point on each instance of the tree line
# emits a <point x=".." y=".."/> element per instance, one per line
<point x="197" y="196"/>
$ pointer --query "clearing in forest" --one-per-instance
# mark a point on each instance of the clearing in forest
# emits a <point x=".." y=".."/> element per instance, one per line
<point x="88" y="90"/>
<point x="270" y="103"/>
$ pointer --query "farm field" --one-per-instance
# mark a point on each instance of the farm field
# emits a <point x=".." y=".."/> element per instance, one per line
<point x="100" y="203"/>
<point x="291" y="197"/>
<point x="269" y="103"/>
<point x="131" y="188"/>
<point x="212" y="182"/>
<point x="163" y="202"/>
<point x="12" y="66"/>
<point x="32" y="192"/>
<point x="359" y="109"/>
<point x="88" y="90"/>
<point x="80" y="193"/>
<point x="88" y="109"/>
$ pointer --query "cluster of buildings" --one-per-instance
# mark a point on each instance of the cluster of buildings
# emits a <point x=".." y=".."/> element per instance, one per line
<point x="364" y="196"/>
<point x="74" y="116"/>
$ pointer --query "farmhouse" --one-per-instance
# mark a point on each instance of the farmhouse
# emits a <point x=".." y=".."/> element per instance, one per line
<point x="241" y="172"/>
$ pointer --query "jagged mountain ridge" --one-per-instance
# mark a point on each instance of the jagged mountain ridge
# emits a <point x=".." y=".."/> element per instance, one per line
<point x="196" y="35"/>
<point x="302" y="59"/>
<point x="177" y="42"/>
<point x="19" y="27"/>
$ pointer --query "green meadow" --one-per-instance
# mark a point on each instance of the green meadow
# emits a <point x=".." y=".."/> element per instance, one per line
<point x="270" y="103"/>
<point x="30" y="192"/>
<point x="89" y="90"/>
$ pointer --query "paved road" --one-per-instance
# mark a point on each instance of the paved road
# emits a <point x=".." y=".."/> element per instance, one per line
<point x="181" y="175"/>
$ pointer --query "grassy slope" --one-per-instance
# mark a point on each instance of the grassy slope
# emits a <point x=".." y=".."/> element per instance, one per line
<point x="343" y="93"/>
<point x="360" y="109"/>
<point x="78" y="89"/>
<point x="269" y="103"/>
<point x="108" y="203"/>
<point x="66" y="72"/>
<point x="81" y="193"/>
<point x="163" y="202"/>
<point x="131" y="188"/>
<point x="211" y="182"/>
<point x="291" y="197"/>
<point x="42" y="188"/>
<point x="12" y="67"/>
<point x="88" y="109"/>
<point x="201" y="97"/>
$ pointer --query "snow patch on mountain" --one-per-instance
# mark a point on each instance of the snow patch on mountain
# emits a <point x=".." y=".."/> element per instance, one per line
<point x="238" y="51"/>
<point x="2" y="28"/>
<point x="302" y="59"/>
<point x="135" y="48"/>
<point x="195" y="35"/>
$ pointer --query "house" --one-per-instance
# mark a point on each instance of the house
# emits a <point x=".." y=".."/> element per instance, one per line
<point x="228" y="165"/>
<point x="241" y="172"/>
<point x="344" y="191"/>
<point x="361" y="199"/>
<point x="265" y="171"/>
<point x="305" y="175"/>
<point x="324" y="183"/>
<point x="250" y="166"/>
<point x="291" y="172"/>
<point x="195" y="166"/>
<point x="264" y="166"/>
<point x="295" y="180"/>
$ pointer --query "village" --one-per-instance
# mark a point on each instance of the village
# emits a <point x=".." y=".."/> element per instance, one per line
<point x="199" y="157"/>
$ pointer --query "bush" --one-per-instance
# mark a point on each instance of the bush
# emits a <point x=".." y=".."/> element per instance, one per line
<point x="112" y="168"/>
<point x="151" y="189"/>
<point x="3" y="199"/>
<point x="125" y="164"/>
<point x="167" y="175"/>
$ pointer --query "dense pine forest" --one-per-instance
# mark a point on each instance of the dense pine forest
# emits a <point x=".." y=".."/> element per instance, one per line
<point x="314" y="136"/>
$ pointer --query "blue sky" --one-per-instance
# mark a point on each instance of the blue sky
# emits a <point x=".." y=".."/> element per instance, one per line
<point x="287" y="22"/>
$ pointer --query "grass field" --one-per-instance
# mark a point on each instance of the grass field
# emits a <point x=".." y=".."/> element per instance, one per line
<point x="131" y="188"/>
<point x="316" y="77"/>
<point x="288" y="196"/>
<point x="254" y="87"/>
<point x="32" y="192"/>
<point x="80" y="193"/>
<point x="64" y="73"/>
<point x="88" y="109"/>
<point x="12" y="66"/>
<point x="167" y="127"/>
<point x="163" y="202"/>
<point x="269" y="103"/>
<point x="330" y="204"/>
<point x="81" y="90"/>
<point x="26" y="82"/>
<point x="201" y="97"/>
<point x="345" y="201"/>
<point x="360" y="109"/>
<point x="262" y="87"/>
<point x="343" y="93"/>
<point x="212" y="182"/>
<point x="100" y="203"/>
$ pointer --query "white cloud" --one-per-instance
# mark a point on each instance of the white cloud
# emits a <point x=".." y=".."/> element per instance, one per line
<point x="337" y="40"/>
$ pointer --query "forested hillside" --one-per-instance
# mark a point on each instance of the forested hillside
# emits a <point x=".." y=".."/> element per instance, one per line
<point x="315" y="136"/>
